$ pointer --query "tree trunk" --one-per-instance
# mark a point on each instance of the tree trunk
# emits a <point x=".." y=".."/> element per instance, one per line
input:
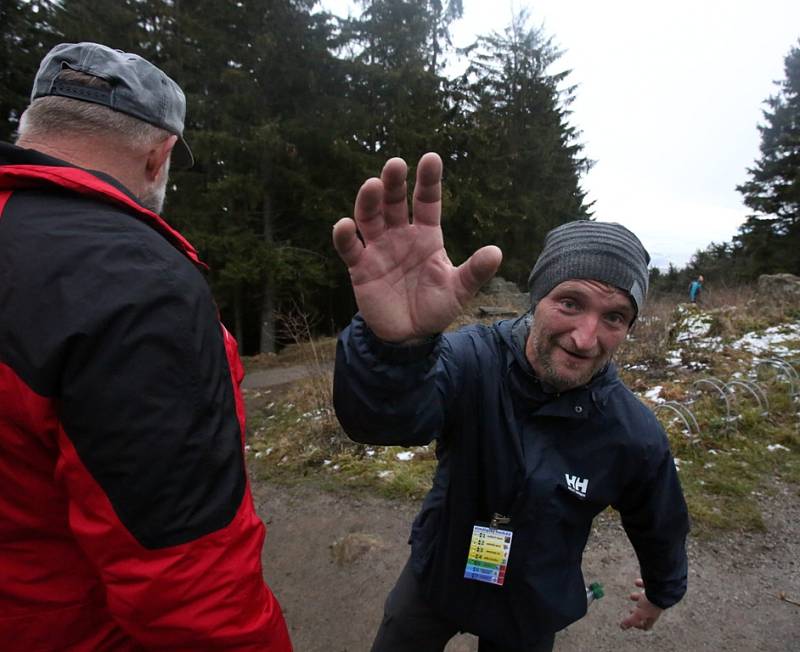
<point x="238" y="329"/>
<point x="268" y="317"/>
<point x="267" y="338"/>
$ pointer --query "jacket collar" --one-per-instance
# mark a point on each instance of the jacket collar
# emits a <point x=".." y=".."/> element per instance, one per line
<point x="27" y="168"/>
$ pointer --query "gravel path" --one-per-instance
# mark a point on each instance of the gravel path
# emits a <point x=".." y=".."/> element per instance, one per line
<point x="277" y="376"/>
<point x="331" y="560"/>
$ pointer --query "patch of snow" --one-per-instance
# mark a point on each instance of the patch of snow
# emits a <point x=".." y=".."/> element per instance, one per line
<point x="405" y="456"/>
<point x="772" y="340"/>
<point x="674" y="358"/>
<point x="777" y="447"/>
<point x="696" y="326"/>
<point x="653" y="394"/>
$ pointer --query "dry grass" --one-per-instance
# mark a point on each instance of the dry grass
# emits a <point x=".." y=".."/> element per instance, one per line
<point x="724" y="466"/>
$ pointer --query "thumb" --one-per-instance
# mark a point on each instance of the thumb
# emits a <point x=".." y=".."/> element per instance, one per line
<point x="479" y="268"/>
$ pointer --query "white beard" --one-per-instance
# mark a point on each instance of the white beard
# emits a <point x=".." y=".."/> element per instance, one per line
<point x="152" y="198"/>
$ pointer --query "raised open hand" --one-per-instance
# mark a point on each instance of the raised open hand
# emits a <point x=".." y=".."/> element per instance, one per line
<point x="405" y="285"/>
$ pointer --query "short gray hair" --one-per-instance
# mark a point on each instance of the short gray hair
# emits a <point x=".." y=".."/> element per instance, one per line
<point x="51" y="116"/>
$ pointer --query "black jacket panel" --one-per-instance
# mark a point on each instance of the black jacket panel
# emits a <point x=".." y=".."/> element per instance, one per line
<point x="92" y="299"/>
<point x="551" y="462"/>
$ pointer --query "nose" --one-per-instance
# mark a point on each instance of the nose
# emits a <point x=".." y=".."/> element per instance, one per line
<point x="584" y="334"/>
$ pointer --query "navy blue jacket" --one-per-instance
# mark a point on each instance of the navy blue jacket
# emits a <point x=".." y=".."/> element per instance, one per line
<point x="550" y="461"/>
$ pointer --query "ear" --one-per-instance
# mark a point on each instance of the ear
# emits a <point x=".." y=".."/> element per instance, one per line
<point x="158" y="156"/>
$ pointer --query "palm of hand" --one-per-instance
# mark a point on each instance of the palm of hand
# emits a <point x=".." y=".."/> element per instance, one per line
<point x="405" y="285"/>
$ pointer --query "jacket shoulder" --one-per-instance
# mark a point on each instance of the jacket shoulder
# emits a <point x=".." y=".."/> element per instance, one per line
<point x="74" y="267"/>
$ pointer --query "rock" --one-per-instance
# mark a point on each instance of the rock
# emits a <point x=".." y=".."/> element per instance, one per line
<point x="780" y="287"/>
<point x="353" y="546"/>
<point x="496" y="311"/>
<point x="499" y="285"/>
<point x="502" y="298"/>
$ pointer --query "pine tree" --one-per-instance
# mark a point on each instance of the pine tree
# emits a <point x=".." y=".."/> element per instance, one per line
<point x="115" y="24"/>
<point x="517" y="159"/>
<point x="769" y="239"/>
<point x="263" y="127"/>
<point x="392" y="85"/>
<point x="442" y="14"/>
<point x="25" y="36"/>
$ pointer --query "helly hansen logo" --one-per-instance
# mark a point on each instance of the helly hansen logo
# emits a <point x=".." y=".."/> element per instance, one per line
<point x="577" y="485"/>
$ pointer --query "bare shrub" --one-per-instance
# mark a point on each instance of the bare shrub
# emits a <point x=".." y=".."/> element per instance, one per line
<point x="649" y="341"/>
<point x="313" y="395"/>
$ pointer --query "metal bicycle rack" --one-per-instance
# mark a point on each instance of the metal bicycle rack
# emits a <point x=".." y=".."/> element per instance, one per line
<point x="754" y="389"/>
<point x="724" y="390"/>
<point x="785" y="371"/>
<point x="719" y="386"/>
<point x="683" y="413"/>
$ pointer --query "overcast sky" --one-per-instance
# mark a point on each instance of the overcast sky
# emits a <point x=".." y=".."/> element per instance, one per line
<point x="669" y="96"/>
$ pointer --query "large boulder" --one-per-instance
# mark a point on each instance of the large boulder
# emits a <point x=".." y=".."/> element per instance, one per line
<point x="780" y="287"/>
<point x="501" y="298"/>
<point x="499" y="285"/>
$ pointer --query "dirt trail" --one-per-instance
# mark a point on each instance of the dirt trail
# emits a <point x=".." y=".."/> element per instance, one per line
<point x="276" y="376"/>
<point x="331" y="559"/>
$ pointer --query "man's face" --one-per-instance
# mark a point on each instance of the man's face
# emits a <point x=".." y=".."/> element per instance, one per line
<point x="576" y="329"/>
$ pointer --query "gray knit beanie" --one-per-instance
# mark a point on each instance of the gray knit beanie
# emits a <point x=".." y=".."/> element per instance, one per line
<point x="601" y="251"/>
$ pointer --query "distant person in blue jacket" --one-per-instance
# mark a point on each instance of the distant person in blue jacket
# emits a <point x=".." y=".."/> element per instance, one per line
<point x="535" y="433"/>
<point x="695" y="288"/>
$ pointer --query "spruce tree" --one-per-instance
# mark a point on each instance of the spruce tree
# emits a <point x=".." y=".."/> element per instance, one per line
<point x="25" y="36"/>
<point x="517" y="160"/>
<point x="769" y="238"/>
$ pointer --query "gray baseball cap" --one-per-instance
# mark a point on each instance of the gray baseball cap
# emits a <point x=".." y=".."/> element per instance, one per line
<point x="138" y="88"/>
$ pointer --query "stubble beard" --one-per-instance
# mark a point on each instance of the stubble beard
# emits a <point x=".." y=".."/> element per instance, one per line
<point x="544" y="344"/>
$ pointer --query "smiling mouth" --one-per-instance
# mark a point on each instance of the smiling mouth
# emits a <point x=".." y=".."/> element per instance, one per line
<point x="577" y="356"/>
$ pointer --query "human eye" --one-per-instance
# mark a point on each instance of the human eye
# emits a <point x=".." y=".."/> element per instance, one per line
<point x="568" y="304"/>
<point x="616" y="319"/>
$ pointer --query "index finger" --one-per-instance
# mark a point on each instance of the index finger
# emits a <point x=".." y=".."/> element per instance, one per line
<point x="428" y="191"/>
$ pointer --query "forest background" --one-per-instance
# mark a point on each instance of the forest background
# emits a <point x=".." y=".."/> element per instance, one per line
<point x="291" y="108"/>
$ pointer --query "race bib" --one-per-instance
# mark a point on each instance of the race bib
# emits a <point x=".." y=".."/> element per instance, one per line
<point x="488" y="555"/>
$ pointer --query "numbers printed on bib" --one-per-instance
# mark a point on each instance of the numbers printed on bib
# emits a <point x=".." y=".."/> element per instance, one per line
<point x="488" y="555"/>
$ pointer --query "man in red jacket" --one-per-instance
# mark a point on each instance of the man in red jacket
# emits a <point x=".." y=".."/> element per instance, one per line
<point x="126" y="519"/>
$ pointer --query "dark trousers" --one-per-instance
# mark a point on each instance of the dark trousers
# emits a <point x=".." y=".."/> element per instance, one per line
<point x="410" y="625"/>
